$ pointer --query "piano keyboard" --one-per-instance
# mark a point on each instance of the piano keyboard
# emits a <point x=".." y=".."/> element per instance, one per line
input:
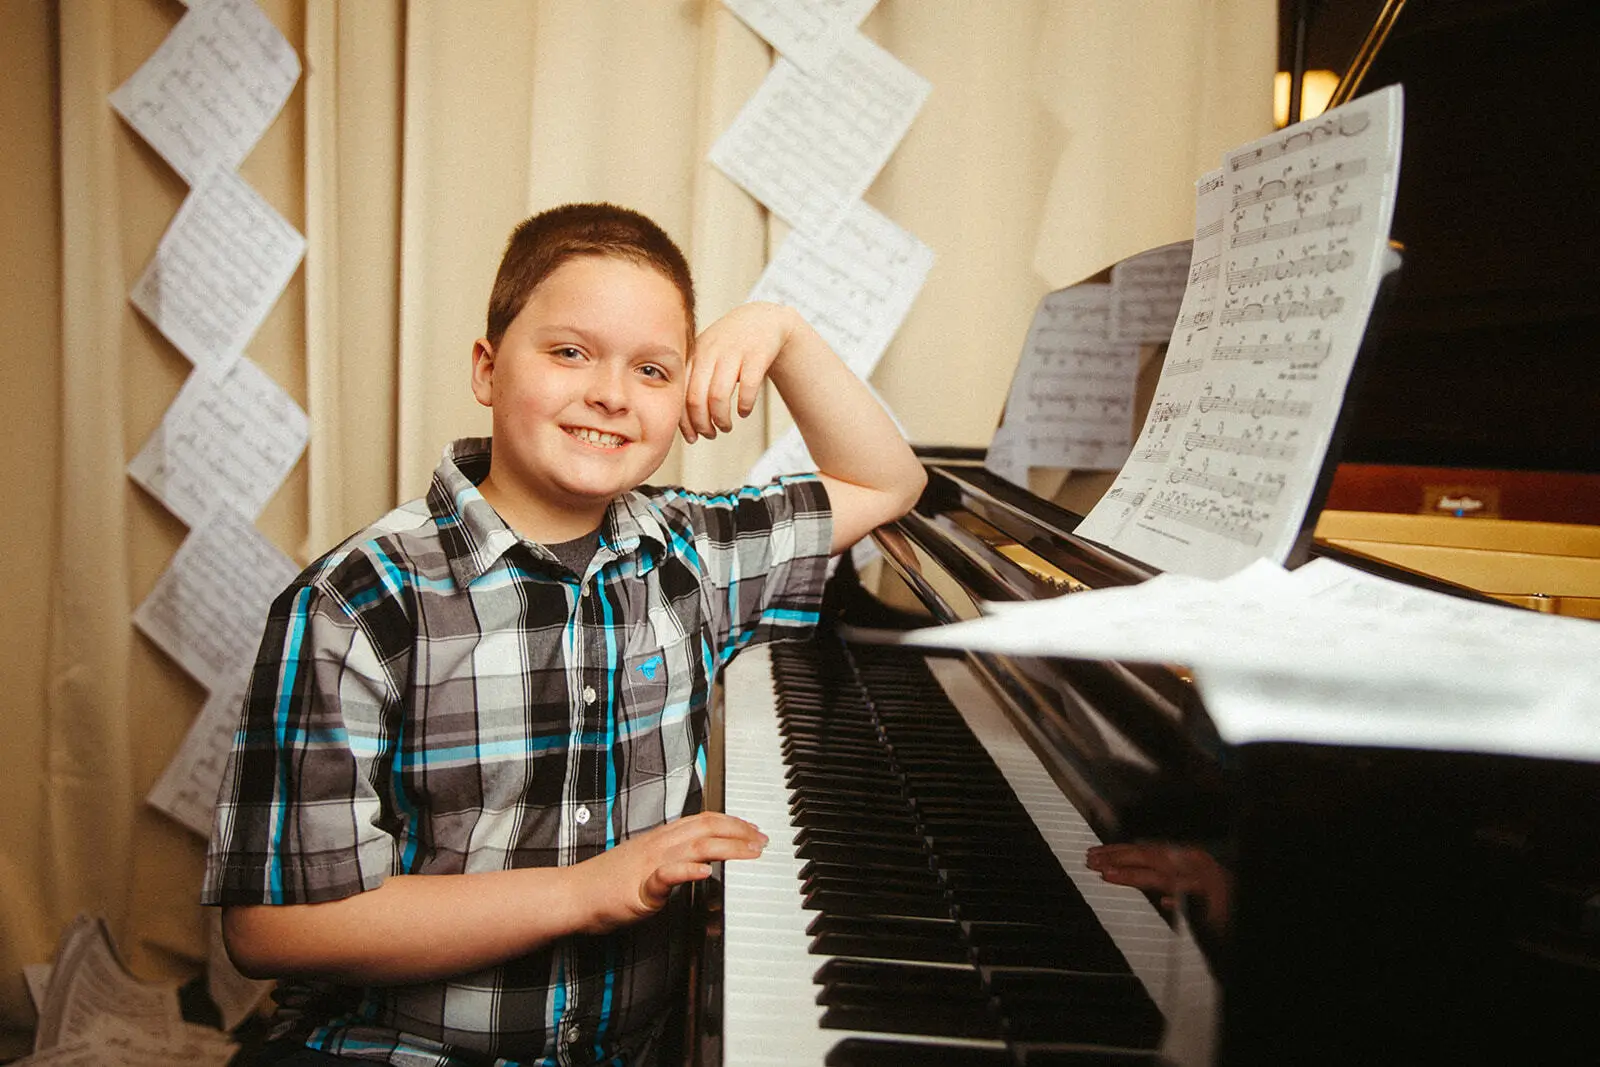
<point x="933" y="930"/>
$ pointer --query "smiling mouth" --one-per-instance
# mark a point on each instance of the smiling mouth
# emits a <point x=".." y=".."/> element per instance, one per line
<point x="596" y="437"/>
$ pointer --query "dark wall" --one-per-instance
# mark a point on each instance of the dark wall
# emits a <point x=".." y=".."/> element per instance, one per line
<point x="1487" y="354"/>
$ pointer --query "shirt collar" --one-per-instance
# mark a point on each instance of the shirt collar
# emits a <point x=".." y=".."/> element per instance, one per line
<point x="475" y="537"/>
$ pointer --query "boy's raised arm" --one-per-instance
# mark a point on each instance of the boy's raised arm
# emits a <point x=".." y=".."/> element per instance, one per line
<point x="871" y="473"/>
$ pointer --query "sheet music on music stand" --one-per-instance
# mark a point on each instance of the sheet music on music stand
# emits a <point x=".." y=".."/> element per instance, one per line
<point x="1234" y="445"/>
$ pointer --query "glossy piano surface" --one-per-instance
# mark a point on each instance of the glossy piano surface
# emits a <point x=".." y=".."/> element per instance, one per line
<point x="1354" y="905"/>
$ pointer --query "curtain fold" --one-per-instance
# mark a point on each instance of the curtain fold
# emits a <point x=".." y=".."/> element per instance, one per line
<point x="1059" y="136"/>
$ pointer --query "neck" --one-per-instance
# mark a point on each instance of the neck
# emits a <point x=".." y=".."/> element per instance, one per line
<point x="537" y="519"/>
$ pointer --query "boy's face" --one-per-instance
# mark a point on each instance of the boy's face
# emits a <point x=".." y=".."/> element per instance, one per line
<point x="587" y="386"/>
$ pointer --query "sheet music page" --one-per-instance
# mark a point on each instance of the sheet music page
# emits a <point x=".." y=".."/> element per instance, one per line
<point x="1187" y="352"/>
<point x="89" y="980"/>
<point x="233" y="440"/>
<point x="805" y="31"/>
<point x="854" y="12"/>
<point x="1284" y="659"/>
<point x="218" y="270"/>
<point x="110" y="1041"/>
<point x="855" y="287"/>
<point x="1146" y="291"/>
<point x="209" y="607"/>
<point x="188" y="787"/>
<point x="807" y="146"/>
<point x="209" y="92"/>
<point x="1305" y="244"/>
<point x="1071" y="401"/>
<point x="1007" y="456"/>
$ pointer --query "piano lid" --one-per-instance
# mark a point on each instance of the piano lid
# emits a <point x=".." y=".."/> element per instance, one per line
<point x="1485" y="356"/>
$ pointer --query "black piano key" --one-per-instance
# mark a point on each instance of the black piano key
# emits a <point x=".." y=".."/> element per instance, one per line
<point x="841" y="902"/>
<point x="1086" y="947"/>
<point x="905" y="999"/>
<point x="888" y="938"/>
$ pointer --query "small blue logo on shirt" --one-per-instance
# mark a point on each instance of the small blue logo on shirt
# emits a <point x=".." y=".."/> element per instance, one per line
<point x="649" y="667"/>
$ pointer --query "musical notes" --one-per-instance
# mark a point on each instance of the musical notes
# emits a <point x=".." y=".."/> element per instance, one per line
<point x="232" y="439"/>
<point x="218" y="270"/>
<point x="1309" y="134"/>
<point x="1305" y="224"/>
<point x="1191" y="339"/>
<point x="209" y="607"/>
<point x="1255" y="374"/>
<point x="855" y="287"/>
<point x="1305" y="267"/>
<point x="209" y="92"/>
<point x="1146" y="291"/>
<point x="1240" y="446"/>
<point x="1311" y="352"/>
<point x="1071" y="400"/>
<point x="1283" y="311"/>
<point x="808" y="145"/>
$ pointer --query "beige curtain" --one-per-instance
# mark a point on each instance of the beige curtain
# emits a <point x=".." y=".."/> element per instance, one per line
<point x="1060" y="136"/>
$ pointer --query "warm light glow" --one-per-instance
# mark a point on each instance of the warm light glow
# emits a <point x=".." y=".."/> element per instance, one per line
<point x="1315" y="89"/>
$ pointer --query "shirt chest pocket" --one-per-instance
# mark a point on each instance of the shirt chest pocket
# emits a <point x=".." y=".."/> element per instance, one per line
<point x="654" y="684"/>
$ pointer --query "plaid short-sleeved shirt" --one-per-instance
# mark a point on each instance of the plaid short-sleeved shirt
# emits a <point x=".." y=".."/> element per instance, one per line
<point x="439" y="695"/>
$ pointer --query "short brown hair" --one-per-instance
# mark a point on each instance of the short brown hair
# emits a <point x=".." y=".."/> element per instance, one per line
<point x="547" y="240"/>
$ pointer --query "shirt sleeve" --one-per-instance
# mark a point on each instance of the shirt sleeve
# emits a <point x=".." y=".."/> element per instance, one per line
<point x="763" y="555"/>
<point x="312" y="805"/>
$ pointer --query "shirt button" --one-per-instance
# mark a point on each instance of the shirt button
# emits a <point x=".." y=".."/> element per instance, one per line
<point x="585" y="590"/>
<point x="573" y="1035"/>
<point x="582" y="815"/>
<point x="588" y="694"/>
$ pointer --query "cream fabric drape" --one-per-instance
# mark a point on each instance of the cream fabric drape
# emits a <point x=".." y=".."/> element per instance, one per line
<point x="1060" y="135"/>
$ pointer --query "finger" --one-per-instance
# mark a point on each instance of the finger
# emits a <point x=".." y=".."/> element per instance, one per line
<point x="658" y="884"/>
<point x="696" y="389"/>
<point x="686" y="429"/>
<point x="719" y="402"/>
<point x="749" y="392"/>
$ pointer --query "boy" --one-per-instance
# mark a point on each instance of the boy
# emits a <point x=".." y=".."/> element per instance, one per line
<point x="469" y="774"/>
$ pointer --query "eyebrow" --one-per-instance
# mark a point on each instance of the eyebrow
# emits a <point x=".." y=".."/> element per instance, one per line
<point x="648" y="352"/>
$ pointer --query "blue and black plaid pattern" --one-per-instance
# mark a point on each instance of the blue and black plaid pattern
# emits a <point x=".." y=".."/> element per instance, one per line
<point x="439" y="695"/>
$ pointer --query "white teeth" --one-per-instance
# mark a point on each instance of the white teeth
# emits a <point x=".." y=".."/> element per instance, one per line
<point x="595" y="437"/>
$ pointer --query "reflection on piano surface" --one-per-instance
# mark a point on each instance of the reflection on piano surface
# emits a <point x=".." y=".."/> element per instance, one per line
<point x="927" y="896"/>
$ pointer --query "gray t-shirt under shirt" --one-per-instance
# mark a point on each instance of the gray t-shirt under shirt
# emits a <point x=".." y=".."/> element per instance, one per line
<point x="577" y="553"/>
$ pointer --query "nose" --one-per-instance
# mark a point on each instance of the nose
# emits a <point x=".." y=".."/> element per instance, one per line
<point x="608" y="387"/>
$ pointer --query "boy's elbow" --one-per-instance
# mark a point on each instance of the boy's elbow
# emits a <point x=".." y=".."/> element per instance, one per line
<point x="253" y="941"/>
<point x="909" y="489"/>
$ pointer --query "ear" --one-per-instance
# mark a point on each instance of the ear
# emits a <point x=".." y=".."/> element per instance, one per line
<point x="483" y="372"/>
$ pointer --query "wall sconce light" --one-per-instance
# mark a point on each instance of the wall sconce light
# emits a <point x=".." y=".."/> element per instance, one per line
<point x="1316" y="87"/>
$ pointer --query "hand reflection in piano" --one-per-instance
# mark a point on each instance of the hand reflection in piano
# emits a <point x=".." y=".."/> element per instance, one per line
<point x="1175" y="872"/>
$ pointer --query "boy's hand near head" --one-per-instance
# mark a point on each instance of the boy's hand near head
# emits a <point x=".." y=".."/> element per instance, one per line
<point x="871" y="474"/>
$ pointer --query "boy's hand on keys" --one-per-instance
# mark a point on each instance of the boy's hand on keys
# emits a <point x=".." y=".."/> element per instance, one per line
<point x="732" y="354"/>
<point x="634" y="879"/>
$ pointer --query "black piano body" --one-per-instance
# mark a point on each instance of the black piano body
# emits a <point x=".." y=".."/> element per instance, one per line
<point x="1359" y="905"/>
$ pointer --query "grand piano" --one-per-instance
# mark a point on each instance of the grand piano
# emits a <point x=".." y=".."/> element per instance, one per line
<point x="926" y="900"/>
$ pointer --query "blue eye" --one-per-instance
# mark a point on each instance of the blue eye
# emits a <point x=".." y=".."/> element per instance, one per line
<point x="568" y="352"/>
<point x="652" y="371"/>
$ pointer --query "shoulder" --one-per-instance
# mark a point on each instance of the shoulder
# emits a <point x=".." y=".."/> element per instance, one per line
<point x="381" y="563"/>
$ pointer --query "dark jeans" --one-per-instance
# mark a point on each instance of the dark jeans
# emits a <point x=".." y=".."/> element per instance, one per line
<point x="291" y="1054"/>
